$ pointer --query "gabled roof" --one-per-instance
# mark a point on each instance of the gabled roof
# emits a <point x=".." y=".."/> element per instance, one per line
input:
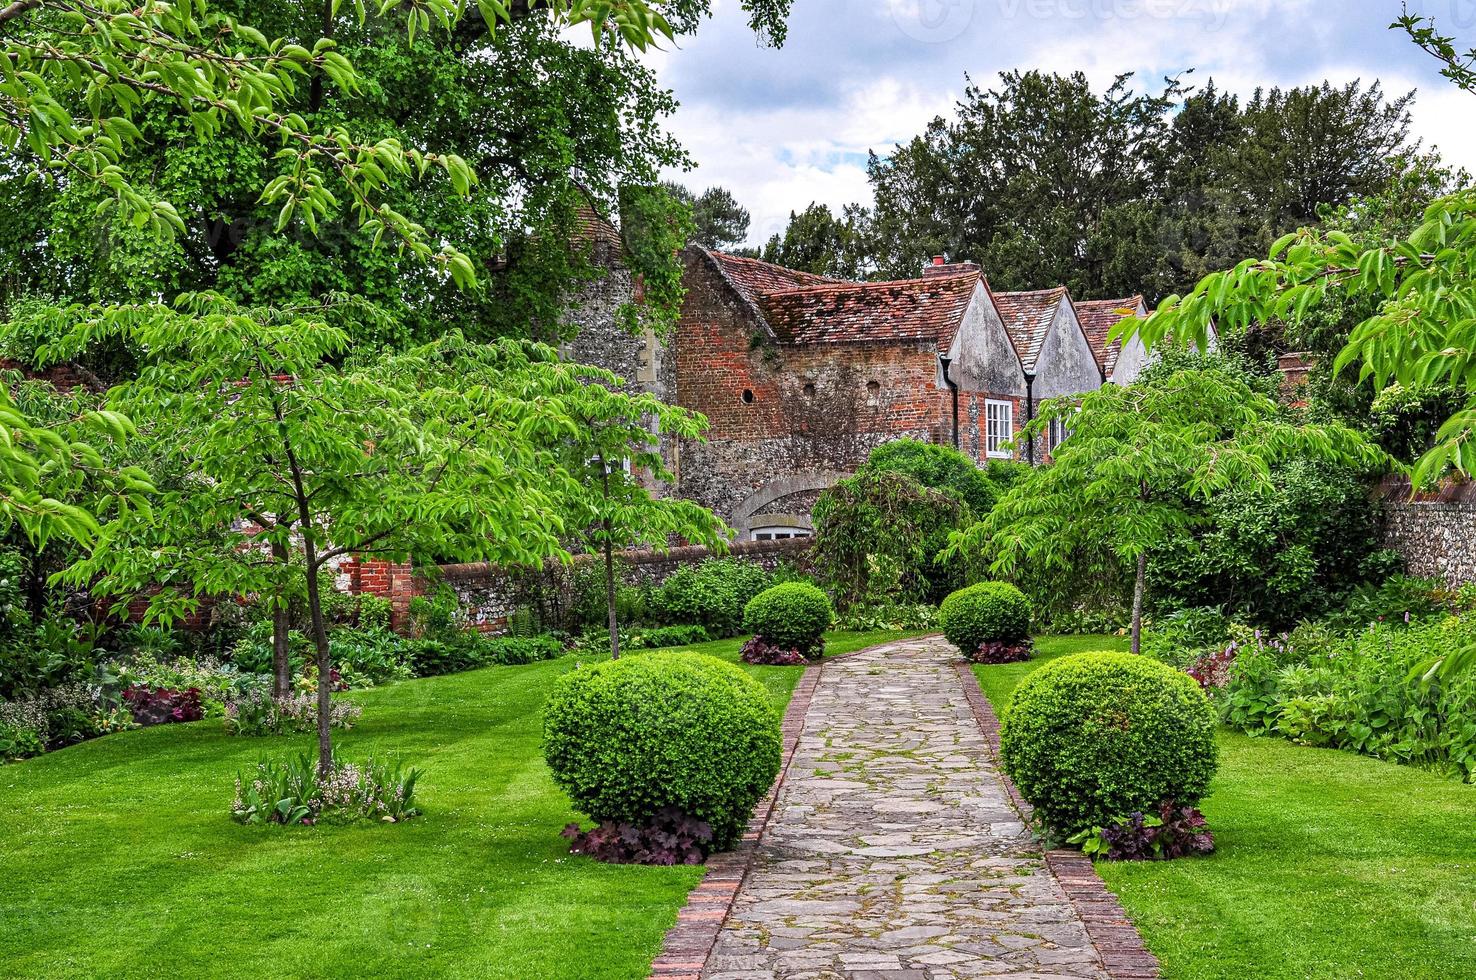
<point x="753" y="277"/>
<point x="1027" y="319"/>
<point x="1098" y="317"/>
<point x="930" y="309"/>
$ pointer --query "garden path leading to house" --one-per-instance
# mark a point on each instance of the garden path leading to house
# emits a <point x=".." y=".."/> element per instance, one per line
<point x="894" y="852"/>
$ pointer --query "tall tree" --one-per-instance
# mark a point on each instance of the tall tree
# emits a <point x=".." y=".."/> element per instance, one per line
<point x="815" y="240"/>
<point x="1046" y="181"/>
<point x="336" y="106"/>
<point x="617" y="451"/>
<point x="1137" y="458"/>
<point x="718" y="221"/>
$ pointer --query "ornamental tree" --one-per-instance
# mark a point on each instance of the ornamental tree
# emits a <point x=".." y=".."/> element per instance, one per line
<point x="616" y="443"/>
<point x="453" y="450"/>
<point x="1138" y="457"/>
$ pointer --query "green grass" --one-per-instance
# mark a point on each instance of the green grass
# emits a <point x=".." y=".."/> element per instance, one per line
<point x="1329" y="864"/>
<point x="118" y="857"/>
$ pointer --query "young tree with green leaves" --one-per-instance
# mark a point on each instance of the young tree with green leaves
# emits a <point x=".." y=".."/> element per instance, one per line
<point x="455" y="450"/>
<point x="1136" y="458"/>
<point x="617" y="439"/>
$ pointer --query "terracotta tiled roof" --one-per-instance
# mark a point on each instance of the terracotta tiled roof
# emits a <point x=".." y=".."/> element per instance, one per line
<point x="1098" y="317"/>
<point x="591" y="228"/>
<point x="753" y="278"/>
<point x="1027" y="318"/>
<point x="913" y="309"/>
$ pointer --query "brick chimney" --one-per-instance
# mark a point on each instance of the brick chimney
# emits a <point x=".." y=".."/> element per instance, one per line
<point x="940" y="266"/>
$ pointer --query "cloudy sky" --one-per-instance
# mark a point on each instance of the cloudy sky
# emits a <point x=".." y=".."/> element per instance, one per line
<point x="782" y="128"/>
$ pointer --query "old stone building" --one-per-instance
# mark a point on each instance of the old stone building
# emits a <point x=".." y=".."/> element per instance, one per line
<point x="800" y="376"/>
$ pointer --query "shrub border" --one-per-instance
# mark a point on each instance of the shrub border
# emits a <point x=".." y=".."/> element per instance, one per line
<point x="690" y="941"/>
<point x="1111" y="931"/>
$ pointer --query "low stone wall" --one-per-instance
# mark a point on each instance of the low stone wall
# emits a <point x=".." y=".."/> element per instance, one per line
<point x="489" y="595"/>
<point x="1434" y="532"/>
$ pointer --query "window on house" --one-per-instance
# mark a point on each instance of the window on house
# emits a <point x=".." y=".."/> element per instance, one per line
<point x="747" y="396"/>
<point x="999" y="427"/>
<point x="594" y="463"/>
<point x="1059" y="433"/>
<point x="778" y="533"/>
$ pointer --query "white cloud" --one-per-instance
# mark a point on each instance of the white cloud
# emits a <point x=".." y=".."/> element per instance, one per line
<point x="784" y="128"/>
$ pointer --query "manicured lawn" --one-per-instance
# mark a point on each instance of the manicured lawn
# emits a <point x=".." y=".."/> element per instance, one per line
<point x="118" y="858"/>
<point x="1329" y="864"/>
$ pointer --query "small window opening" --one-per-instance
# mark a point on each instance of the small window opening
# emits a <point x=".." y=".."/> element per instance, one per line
<point x="748" y="396"/>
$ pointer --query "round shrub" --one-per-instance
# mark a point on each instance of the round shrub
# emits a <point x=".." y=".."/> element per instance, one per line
<point x="629" y="737"/>
<point x="1098" y="736"/>
<point x="990" y="612"/>
<point x="793" y="616"/>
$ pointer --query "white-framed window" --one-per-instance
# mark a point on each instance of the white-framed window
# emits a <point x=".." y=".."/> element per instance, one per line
<point x="999" y="427"/>
<point x="778" y="533"/>
<point x="1059" y="433"/>
<point x="594" y="463"/>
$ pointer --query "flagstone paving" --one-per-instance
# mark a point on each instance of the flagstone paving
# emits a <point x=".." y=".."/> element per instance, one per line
<point x="894" y="852"/>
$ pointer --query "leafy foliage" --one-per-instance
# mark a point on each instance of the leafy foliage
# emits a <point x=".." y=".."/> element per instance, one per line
<point x="1094" y="736"/>
<point x="1279" y="551"/>
<point x="944" y="468"/>
<point x="793" y="616"/>
<point x="160" y="706"/>
<point x="1141" y="462"/>
<point x="1366" y="692"/>
<point x="987" y="612"/>
<point x="300" y="791"/>
<point x="1043" y="180"/>
<point x="1001" y="652"/>
<point x="718" y="222"/>
<point x="628" y="738"/>
<point x="877" y="537"/>
<point x="1170" y="832"/>
<point x="758" y="650"/>
<point x="668" y="838"/>
<point x="712" y="594"/>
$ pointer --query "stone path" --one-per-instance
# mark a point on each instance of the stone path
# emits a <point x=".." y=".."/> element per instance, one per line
<point x="894" y="852"/>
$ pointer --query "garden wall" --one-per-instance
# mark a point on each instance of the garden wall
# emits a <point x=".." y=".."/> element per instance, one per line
<point x="490" y="595"/>
<point x="1435" y="532"/>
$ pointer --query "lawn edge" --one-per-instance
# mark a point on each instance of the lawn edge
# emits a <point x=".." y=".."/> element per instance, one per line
<point x="1112" y="933"/>
<point x="690" y="941"/>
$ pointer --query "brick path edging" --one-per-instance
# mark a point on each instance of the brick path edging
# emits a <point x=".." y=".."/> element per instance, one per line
<point x="689" y="942"/>
<point x="1116" y="939"/>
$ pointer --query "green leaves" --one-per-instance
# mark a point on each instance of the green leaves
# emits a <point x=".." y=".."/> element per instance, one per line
<point x="1136" y="456"/>
<point x="1424" y="330"/>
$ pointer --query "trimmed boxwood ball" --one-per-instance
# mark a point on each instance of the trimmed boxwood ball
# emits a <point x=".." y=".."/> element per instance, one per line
<point x="990" y="612"/>
<point x="627" y="738"/>
<point x="794" y="616"/>
<point x="1097" y="736"/>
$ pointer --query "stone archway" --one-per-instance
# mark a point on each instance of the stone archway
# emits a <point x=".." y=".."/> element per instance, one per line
<point x="747" y="514"/>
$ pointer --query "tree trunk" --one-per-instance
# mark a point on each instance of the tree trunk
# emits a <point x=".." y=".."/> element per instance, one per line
<point x="281" y="644"/>
<point x="1138" y="602"/>
<point x="325" y="665"/>
<point x="281" y="652"/>
<point x="610" y="599"/>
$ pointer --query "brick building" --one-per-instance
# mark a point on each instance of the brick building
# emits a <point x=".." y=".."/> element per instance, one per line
<point x="800" y="376"/>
